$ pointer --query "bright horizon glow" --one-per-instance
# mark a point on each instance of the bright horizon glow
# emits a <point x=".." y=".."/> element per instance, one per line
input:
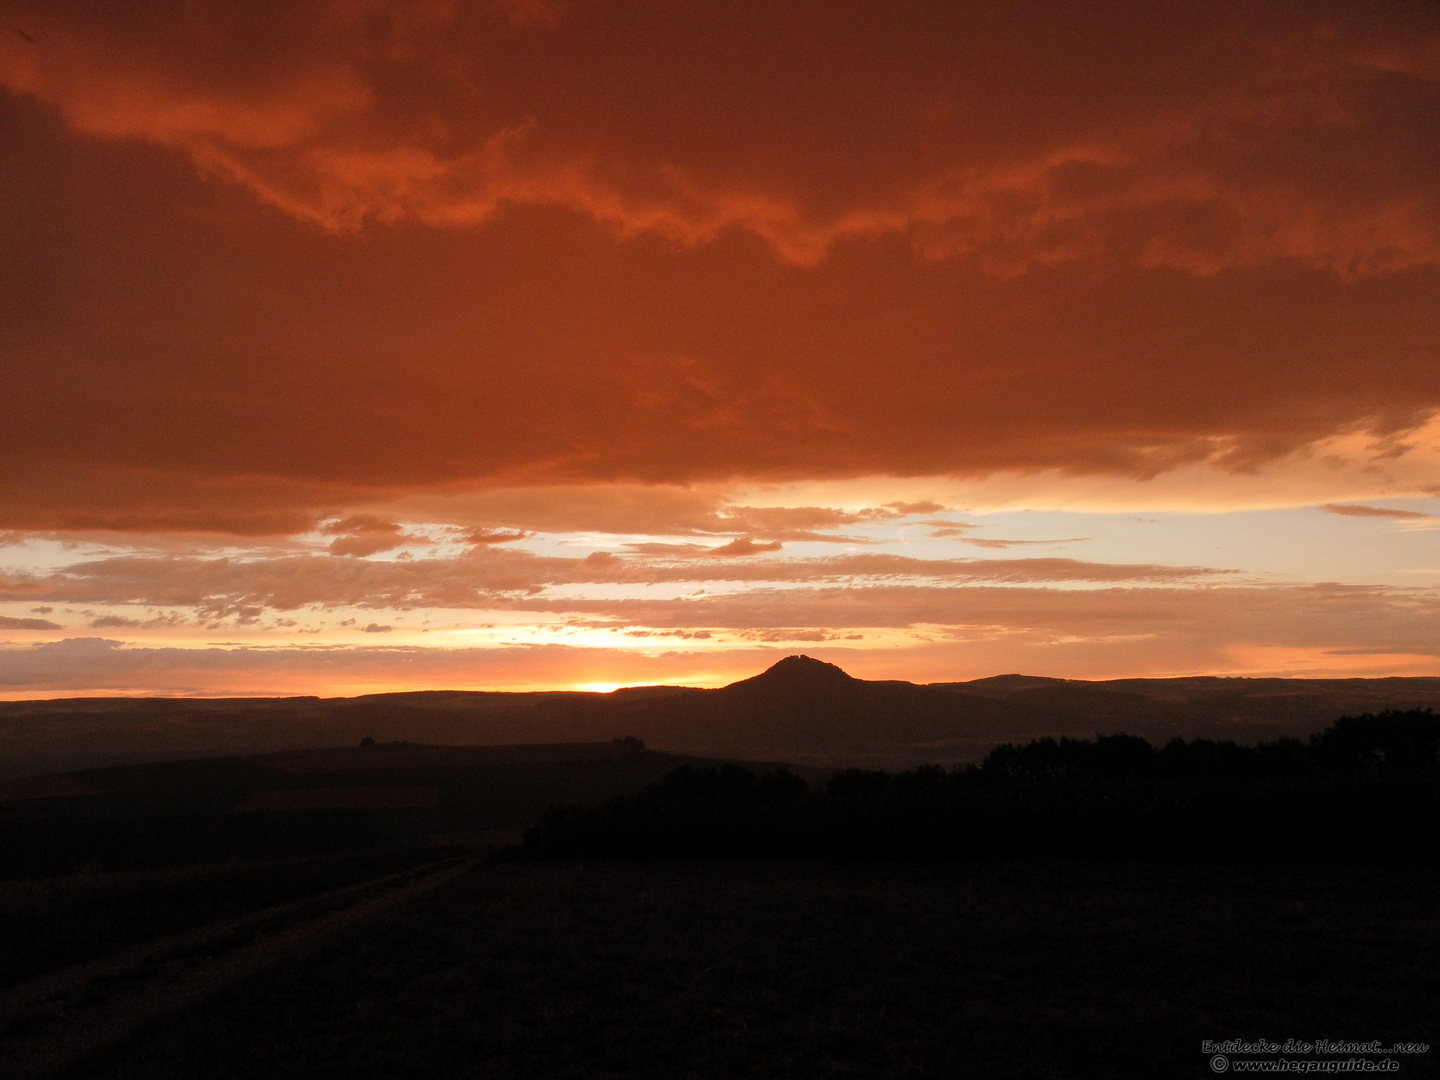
<point x="923" y="594"/>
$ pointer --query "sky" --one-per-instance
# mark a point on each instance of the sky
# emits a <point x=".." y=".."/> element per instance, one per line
<point x="363" y="345"/>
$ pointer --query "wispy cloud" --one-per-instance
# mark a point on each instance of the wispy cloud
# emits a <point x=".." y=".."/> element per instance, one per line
<point x="984" y="542"/>
<point x="1360" y="510"/>
<point x="488" y="576"/>
<point x="9" y="623"/>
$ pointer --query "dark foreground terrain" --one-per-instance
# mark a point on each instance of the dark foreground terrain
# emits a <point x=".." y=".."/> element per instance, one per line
<point x="303" y="803"/>
<point x="1071" y="908"/>
<point x="1050" y="969"/>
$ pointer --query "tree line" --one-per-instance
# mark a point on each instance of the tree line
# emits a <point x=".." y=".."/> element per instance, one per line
<point x="1365" y="789"/>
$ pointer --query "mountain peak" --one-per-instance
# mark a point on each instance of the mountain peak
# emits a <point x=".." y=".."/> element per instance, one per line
<point x="802" y="673"/>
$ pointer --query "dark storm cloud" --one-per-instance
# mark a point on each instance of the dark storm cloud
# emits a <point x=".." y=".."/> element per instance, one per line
<point x="270" y="259"/>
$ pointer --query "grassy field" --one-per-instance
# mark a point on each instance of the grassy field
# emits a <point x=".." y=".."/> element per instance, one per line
<point x="679" y="970"/>
<point x="54" y="922"/>
<point x="152" y="815"/>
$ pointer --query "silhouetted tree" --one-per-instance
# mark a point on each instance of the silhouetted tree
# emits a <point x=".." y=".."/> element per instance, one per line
<point x="1366" y="788"/>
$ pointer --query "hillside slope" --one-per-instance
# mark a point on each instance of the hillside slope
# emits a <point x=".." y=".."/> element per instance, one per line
<point x="800" y="710"/>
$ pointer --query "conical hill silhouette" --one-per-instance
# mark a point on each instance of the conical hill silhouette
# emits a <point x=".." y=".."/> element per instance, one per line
<point x="803" y="709"/>
<point x="798" y="674"/>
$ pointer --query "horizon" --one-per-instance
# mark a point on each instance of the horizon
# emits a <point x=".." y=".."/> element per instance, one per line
<point x="605" y="689"/>
<point x="517" y="345"/>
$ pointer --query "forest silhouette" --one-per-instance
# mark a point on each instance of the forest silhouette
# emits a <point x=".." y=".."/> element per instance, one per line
<point x="1365" y="789"/>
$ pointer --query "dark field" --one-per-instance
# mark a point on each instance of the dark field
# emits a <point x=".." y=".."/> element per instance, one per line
<point x="54" y="922"/>
<point x="1053" y="969"/>
<point x="1063" y="909"/>
<point x="152" y="815"/>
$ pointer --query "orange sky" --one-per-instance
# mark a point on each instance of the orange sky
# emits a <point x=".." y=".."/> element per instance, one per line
<point x="498" y="315"/>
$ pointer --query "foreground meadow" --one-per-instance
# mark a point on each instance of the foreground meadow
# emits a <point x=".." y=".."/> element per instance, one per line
<point x="1049" y="969"/>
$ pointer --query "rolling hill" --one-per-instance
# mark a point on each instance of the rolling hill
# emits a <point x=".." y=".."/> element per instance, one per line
<point x="800" y="710"/>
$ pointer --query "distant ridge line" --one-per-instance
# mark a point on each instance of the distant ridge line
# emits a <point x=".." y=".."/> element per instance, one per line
<point x="800" y="709"/>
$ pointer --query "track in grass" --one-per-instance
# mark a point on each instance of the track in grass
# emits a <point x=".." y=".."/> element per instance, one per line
<point x="55" y="1022"/>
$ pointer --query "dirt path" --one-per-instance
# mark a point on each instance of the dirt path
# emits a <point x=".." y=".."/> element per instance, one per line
<point x="59" y="1020"/>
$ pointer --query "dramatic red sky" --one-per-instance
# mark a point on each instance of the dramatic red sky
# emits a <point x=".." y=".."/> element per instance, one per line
<point x="371" y="345"/>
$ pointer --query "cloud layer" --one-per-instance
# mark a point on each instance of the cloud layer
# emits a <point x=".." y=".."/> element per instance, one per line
<point x="952" y="633"/>
<point x="1168" y="135"/>
<point x="308" y="257"/>
<point x="219" y="588"/>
